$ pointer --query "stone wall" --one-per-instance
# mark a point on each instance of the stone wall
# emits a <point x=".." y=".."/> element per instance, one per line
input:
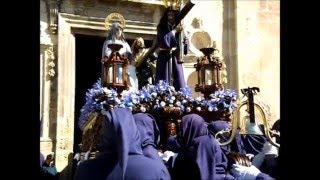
<point x="248" y="35"/>
<point x="101" y="8"/>
<point x="258" y="32"/>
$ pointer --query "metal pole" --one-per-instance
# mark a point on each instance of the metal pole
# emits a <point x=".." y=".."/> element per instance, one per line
<point x="170" y="68"/>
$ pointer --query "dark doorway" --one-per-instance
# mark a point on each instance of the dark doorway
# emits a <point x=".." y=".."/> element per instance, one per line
<point x="88" y="71"/>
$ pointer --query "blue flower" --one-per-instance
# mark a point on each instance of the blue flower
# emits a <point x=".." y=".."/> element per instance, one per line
<point x="152" y="98"/>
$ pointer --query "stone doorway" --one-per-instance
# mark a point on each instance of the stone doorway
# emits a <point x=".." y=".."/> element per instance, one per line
<point x="88" y="50"/>
<point x="69" y="28"/>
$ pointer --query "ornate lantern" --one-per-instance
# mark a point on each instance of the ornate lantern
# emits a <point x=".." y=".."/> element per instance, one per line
<point x="115" y="69"/>
<point x="209" y="72"/>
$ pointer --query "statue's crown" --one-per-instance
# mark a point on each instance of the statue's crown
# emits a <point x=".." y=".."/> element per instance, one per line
<point x="172" y="4"/>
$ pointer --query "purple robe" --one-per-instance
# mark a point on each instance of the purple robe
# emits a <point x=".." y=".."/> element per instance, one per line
<point x="235" y="146"/>
<point x="149" y="134"/>
<point x="172" y="144"/>
<point x="41" y="159"/>
<point x="252" y="144"/>
<point x="269" y="167"/>
<point x="166" y="41"/>
<point x="200" y="156"/>
<point x="276" y="127"/>
<point x="96" y="169"/>
<point x="244" y="143"/>
<point x="123" y="158"/>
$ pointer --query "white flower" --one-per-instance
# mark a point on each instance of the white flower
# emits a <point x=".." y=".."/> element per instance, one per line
<point x="133" y="96"/>
<point x="188" y="109"/>
<point x="221" y="96"/>
<point x="198" y="108"/>
<point x="213" y="100"/>
<point x="117" y="101"/>
<point x="143" y="109"/>
<point x="154" y="94"/>
<point x="134" y="101"/>
<point x="162" y="104"/>
<point x="124" y="93"/>
<point x="106" y="90"/>
<point x="178" y="103"/>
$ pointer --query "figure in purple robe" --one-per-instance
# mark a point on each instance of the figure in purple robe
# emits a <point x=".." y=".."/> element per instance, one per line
<point x="236" y="146"/>
<point x="122" y="156"/>
<point x="172" y="144"/>
<point x="276" y="127"/>
<point x="253" y="144"/>
<point x="267" y="159"/>
<point x="149" y="134"/>
<point x="42" y="174"/>
<point x="168" y="43"/>
<point x="41" y="159"/>
<point x="200" y="156"/>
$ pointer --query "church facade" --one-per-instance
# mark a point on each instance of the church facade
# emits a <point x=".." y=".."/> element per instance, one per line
<point x="247" y="34"/>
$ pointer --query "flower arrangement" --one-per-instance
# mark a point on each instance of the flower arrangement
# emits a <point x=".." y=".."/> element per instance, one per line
<point x="153" y="99"/>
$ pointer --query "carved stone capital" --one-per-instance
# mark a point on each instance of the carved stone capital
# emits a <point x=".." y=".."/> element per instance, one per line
<point x="54" y="8"/>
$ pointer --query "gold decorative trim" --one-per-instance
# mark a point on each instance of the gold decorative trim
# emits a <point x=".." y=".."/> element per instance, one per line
<point x="114" y="17"/>
<point x="174" y="4"/>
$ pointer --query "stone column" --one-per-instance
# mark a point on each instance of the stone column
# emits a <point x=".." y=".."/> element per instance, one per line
<point x="230" y="42"/>
<point x="65" y="98"/>
<point x="47" y="72"/>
